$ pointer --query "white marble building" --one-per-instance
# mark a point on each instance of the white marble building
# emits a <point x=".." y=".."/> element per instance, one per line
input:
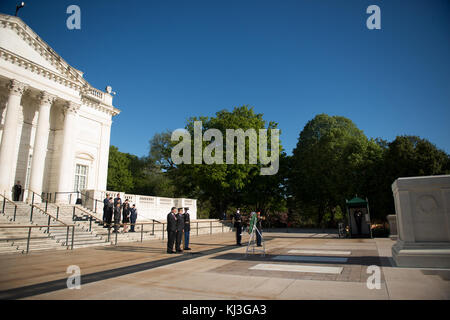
<point x="54" y="126"/>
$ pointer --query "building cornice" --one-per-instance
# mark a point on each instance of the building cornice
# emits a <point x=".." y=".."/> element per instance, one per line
<point x="99" y="106"/>
<point x="29" y="36"/>
<point x="67" y="76"/>
<point x="38" y="69"/>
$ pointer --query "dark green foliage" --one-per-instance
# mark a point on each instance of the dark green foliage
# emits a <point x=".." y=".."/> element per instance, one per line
<point x="334" y="161"/>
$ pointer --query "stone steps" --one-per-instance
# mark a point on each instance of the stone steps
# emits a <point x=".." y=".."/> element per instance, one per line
<point x="12" y="250"/>
<point x="40" y="240"/>
<point x="37" y="246"/>
<point x="77" y="246"/>
<point x="6" y="244"/>
<point x="97" y="236"/>
<point x="33" y="248"/>
<point x="80" y="235"/>
<point x="12" y="239"/>
<point x="20" y="242"/>
<point x="97" y="229"/>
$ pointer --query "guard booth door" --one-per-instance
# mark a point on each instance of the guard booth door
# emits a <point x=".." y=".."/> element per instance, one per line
<point x="359" y="222"/>
<point x="359" y="218"/>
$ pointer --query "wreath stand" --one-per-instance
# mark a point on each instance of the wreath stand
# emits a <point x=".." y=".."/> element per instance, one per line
<point x="252" y="246"/>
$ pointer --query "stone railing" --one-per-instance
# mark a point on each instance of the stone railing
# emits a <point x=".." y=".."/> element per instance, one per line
<point x="148" y="207"/>
<point x="98" y="95"/>
<point x="95" y="93"/>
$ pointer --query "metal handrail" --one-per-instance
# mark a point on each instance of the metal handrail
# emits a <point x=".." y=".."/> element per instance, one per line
<point x="46" y="205"/>
<point x="86" y="211"/>
<point x="96" y="200"/>
<point x="4" y="203"/>
<point x="35" y="226"/>
<point x="50" y="215"/>
<point x="66" y="192"/>
<point x="110" y="225"/>
<point x="44" y="226"/>
<point x="32" y="202"/>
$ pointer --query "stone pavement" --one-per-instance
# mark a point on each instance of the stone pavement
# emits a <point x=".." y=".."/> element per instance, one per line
<point x="296" y="266"/>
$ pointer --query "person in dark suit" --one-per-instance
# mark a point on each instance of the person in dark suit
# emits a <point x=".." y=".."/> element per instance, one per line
<point x="105" y="208"/>
<point x="237" y="221"/>
<point x="171" y="229"/>
<point x="117" y="199"/>
<point x="259" y="227"/>
<point x="117" y="218"/>
<point x="17" y="191"/>
<point x="180" y="228"/>
<point x="187" y="228"/>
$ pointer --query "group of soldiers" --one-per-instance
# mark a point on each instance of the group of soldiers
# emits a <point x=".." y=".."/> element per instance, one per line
<point x="177" y="224"/>
<point x="116" y="209"/>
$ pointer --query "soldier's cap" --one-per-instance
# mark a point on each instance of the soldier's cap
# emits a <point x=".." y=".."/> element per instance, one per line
<point x="186" y="208"/>
<point x="180" y="208"/>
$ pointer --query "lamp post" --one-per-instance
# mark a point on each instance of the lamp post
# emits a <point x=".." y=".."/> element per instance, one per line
<point x="18" y="7"/>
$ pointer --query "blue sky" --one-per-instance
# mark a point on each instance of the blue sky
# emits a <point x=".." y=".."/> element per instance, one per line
<point x="170" y="60"/>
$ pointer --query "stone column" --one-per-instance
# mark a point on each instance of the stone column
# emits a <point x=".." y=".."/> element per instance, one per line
<point x="103" y="156"/>
<point x="40" y="145"/>
<point x="3" y="101"/>
<point x="65" y="174"/>
<point x="8" y="143"/>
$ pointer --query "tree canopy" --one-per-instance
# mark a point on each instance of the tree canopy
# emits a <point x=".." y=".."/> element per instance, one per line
<point x="333" y="161"/>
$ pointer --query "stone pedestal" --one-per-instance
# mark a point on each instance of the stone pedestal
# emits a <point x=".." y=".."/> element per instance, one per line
<point x="392" y="219"/>
<point x="422" y="206"/>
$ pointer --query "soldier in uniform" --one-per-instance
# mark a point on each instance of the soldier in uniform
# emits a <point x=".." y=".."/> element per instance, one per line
<point x="187" y="228"/>
<point x="180" y="228"/>
<point x="171" y="229"/>
<point x="358" y="219"/>
<point x="237" y="220"/>
<point x="105" y="208"/>
<point x="133" y="217"/>
<point x="109" y="212"/>
<point x="259" y="227"/>
<point x="125" y="215"/>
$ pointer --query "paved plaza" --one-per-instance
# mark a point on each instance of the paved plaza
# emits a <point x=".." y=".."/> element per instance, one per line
<point x="296" y="266"/>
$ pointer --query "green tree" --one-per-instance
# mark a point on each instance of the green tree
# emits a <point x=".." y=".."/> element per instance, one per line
<point x="120" y="177"/>
<point x="161" y="149"/>
<point x="327" y="164"/>
<point x="225" y="185"/>
<point x="409" y="156"/>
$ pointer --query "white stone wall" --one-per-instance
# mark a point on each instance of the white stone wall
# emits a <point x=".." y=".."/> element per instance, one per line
<point x="149" y="207"/>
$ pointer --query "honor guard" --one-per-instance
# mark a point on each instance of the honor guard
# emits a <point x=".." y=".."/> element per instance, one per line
<point x="187" y="228"/>
<point x="238" y="225"/>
